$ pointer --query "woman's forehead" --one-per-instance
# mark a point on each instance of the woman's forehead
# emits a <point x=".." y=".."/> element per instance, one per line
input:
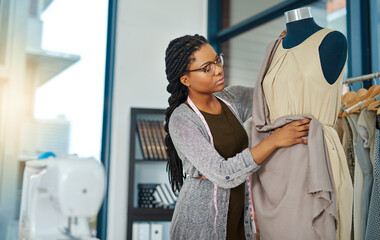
<point x="204" y="54"/>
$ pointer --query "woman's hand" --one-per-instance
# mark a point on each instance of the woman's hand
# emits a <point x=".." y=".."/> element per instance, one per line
<point x="291" y="133"/>
<point x="285" y="136"/>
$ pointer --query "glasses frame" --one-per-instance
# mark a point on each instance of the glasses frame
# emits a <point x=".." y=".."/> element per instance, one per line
<point x="219" y="62"/>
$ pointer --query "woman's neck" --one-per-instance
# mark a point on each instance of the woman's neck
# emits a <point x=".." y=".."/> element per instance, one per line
<point x="206" y="102"/>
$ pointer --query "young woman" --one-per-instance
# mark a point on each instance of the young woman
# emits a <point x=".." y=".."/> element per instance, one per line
<point x="206" y="140"/>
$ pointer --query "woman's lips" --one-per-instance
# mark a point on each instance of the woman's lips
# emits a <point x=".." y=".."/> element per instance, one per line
<point x="220" y="81"/>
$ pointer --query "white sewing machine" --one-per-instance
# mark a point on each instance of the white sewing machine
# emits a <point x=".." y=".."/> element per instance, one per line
<point x="59" y="196"/>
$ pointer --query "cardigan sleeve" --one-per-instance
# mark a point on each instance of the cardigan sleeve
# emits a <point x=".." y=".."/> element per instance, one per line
<point x="192" y="145"/>
<point x="241" y="97"/>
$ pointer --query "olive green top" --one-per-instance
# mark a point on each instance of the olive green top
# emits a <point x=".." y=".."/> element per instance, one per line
<point x="230" y="138"/>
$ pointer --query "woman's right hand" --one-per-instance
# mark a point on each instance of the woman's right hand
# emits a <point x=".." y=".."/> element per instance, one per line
<point x="291" y="133"/>
<point x="285" y="136"/>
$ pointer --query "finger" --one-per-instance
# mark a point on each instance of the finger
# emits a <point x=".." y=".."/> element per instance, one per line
<point x="304" y="127"/>
<point x="304" y="141"/>
<point x="302" y="122"/>
<point x="302" y="134"/>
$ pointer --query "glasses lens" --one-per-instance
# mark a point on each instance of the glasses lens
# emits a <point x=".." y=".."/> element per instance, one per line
<point x="211" y="67"/>
<point x="221" y="60"/>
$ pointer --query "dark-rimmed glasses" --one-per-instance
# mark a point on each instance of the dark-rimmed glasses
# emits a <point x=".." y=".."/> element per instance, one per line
<point x="210" y="68"/>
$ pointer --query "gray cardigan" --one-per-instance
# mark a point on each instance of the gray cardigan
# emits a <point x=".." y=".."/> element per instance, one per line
<point x="194" y="214"/>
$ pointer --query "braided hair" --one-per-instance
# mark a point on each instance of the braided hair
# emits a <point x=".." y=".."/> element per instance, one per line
<point x="177" y="58"/>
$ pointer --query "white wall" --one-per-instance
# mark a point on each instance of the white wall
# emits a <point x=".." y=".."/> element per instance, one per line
<point x="144" y="29"/>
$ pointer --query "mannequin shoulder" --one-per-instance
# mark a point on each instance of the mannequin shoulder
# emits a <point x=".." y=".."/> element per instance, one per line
<point x="334" y="42"/>
<point x="333" y="55"/>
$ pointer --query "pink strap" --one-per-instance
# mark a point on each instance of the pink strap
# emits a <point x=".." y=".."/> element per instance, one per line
<point x="251" y="210"/>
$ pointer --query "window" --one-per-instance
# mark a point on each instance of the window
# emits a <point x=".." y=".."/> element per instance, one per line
<point x="245" y="52"/>
<point x="235" y="11"/>
<point x="52" y="97"/>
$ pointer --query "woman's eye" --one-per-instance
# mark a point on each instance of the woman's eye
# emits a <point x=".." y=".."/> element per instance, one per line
<point x="207" y="69"/>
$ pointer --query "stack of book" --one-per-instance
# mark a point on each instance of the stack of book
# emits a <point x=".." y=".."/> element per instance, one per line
<point x="147" y="231"/>
<point x="152" y="139"/>
<point x="146" y="199"/>
<point x="156" y="196"/>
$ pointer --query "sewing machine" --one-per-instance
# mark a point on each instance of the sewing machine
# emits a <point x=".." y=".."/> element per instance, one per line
<point x="59" y="196"/>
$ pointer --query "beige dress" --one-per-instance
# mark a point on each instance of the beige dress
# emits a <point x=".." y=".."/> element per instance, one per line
<point x="295" y="85"/>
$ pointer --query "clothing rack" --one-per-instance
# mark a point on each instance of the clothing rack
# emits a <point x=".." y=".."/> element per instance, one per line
<point x="362" y="78"/>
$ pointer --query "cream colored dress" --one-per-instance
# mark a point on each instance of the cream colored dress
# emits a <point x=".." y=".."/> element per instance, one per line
<point x="295" y="85"/>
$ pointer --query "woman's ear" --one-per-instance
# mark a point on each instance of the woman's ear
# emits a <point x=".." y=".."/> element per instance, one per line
<point x="185" y="80"/>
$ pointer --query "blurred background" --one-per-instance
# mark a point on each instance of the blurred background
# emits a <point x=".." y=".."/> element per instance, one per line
<point x="70" y="71"/>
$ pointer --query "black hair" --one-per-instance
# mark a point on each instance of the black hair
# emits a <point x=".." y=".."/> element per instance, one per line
<point x="177" y="58"/>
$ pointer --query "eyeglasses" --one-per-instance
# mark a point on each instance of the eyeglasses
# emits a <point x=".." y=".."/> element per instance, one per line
<point x="210" y="68"/>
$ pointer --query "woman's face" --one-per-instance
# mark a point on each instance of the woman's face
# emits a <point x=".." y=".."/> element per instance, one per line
<point x="201" y="81"/>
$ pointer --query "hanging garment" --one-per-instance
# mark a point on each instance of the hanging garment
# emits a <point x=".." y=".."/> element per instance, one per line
<point x="373" y="223"/>
<point x="348" y="147"/>
<point x="366" y="125"/>
<point x="358" y="179"/>
<point x="293" y="191"/>
<point x="363" y="148"/>
<point x="350" y="155"/>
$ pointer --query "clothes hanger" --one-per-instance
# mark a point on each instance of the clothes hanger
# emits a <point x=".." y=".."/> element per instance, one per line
<point x="360" y="95"/>
<point x="371" y="93"/>
<point x="346" y="96"/>
<point x="371" y="99"/>
<point x="354" y="101"/>
<point x="374" y="106"/>
<point x="343" y="101"/>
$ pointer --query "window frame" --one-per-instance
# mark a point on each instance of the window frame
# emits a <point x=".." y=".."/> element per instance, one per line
<point x="361" y="60"/>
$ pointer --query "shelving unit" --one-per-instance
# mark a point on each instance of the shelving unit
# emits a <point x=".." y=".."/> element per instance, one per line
<point x="144" y="171"/>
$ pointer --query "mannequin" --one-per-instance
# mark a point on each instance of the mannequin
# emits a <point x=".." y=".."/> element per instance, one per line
<point x="301" y="76"/>
<point x="333" y="50"/>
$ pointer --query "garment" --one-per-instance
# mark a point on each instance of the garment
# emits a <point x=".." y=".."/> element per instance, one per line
<point x="293" y="191"/>
<point x="230" y="138"/>
<point x="362" y="148"/>
<point x="194" y="213"/>
<point x="339" y="129"/>
<point x="358" y="180"/>
<point x="373" y="223"/>
<point x="366" y="126"/>
<point x="348" y="146"/>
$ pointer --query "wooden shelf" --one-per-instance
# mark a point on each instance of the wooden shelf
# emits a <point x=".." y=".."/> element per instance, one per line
<point x="150" y="160"/>
<point x="150" y="214"/>
<point x="139" y="166"/>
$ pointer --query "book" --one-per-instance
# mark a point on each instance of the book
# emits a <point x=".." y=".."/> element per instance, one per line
<point x="156" y="231"/>
<point x="146" y="197"/>
<point x="161" y="141"/>
<point x="163" y="135"/>
<point x="162" y="196"/>
<point x="142" y="139"/>
<point x="151" y="140"/>
<point x="167" y="194"/>
<point x="156" y="136"/>
<point x="147" y="140"/>
<point x="171" y="192"/>
<point x="144" y="231"/>
<point x="136" y="231"/>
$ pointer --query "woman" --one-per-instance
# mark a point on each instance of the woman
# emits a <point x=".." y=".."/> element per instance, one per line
<point x="206" y="139"/>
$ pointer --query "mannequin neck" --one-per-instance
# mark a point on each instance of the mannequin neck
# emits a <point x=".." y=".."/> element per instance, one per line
<point x="298" y="14"/>
<point x="298" y="31"/>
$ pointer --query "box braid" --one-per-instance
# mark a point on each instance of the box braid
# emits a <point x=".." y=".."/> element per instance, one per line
<point x="177" y="58"/>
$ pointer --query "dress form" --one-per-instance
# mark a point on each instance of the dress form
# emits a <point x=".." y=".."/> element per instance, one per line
<point x="333" y="50"/>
